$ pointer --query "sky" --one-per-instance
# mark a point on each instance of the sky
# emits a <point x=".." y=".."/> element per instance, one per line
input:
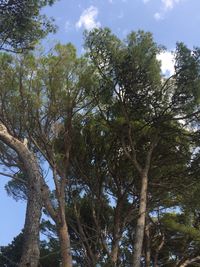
<point x="170" y="21"/>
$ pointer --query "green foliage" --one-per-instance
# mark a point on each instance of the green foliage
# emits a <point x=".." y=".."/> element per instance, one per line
<point x="49" y="253"/>
<point x="10" y="255"/>
<point x="105" y="110"/>
<point x="21" y="25"/>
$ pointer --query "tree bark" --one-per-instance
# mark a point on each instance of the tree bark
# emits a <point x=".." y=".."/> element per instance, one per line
<point x="147" y="244"/>
<point x="158" y="251"/>
<point x="65" y="246"/>
<point x="116" y="234"/>
<point x="31" y="252"/>
<point x="61" y="222"/>
<point x="91" y="257"/>
<point x="139" y="234"/>
<point x="189" y="261"/>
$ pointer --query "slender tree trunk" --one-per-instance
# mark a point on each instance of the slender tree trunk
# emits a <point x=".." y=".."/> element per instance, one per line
<point x="116" y="235"/>
<point x="158" y="251"/>
<point x="91" y="257"/>
<point x="114" y="253"/>
<point x="63" y="227"/>
<point x="139" y="234"/>
<point x="188" y="262"/>
<point x="61" y="223"/>
<point x="147" y="245"/>
<point x="31" y="252"/>
<point x="65" y="246"/>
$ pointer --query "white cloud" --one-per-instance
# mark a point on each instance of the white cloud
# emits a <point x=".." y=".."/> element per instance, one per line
<point x="166" y="5"/>
<point x="158" y="16"/>
<point x="167" y="62"/>
<point x="169" y="4"/>
<point x="87" y="19"/>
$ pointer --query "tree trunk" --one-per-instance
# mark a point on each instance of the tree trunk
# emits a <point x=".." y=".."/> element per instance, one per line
<point x="139" y="234"/>
<point x="65" y="246"/>
<point x="189" y="261"/>
<point x="31" y="252"/>
<point x="116" y="234"/>
<point x="61" y="223"/>
<point x="147" y="245"/>
<point x="114" y="253"/>
<point x="158" y="251"/>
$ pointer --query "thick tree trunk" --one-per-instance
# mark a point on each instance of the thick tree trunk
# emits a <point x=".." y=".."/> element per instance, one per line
<point x="139" y="234"/>
<point x="31" y="252"/>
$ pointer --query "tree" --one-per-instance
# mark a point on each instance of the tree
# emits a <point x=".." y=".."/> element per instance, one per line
<point x="112" y="131"/>
<point x="10" y="255"/>
<point x="149" y="106"/>
<point x="21" y="25"/>
<point x="49" y="91"/>
<point x="33" y="212"/>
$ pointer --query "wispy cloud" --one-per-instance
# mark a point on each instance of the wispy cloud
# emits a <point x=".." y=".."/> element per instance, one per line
<point x="167" y="62"/>
<point x="166" y="5"/>
<point x="169" y="4"/>
<point x="88" y="18"/>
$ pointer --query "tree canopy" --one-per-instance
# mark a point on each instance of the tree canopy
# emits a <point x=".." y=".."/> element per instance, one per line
<point x="121" y="142"/>
<point x="22" y="25"/>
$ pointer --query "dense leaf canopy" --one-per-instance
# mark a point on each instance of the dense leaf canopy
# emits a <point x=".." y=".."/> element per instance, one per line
<point x="21" y="24"/>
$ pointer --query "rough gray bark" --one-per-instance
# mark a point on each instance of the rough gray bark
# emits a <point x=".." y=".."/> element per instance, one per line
<point x="31" y="252"/>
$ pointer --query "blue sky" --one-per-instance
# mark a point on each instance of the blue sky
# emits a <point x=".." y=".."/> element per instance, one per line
<point x="169" y="21"/>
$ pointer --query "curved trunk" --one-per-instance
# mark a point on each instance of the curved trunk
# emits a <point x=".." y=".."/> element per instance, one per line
<point x="140" y="228"/>
<point x="31" y="252"/>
